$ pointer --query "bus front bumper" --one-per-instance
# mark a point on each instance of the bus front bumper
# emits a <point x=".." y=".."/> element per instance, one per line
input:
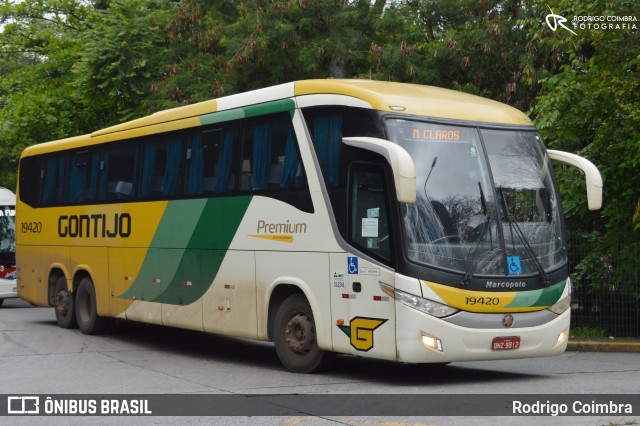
<point x="422" y="338"/>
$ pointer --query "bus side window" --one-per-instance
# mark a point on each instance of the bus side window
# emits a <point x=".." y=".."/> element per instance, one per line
<point x="161" y="168"/>
<point x="328" y="125"/>
<point x="31" y="176"/>
<point x="120" y="165"/>
<point x="369" y="219"/>
<point x="256" y="158"/>
<point x="271" y="159"/>
<point x="210" y="162"/>
<point x="82" y="178"/>
<point x="53" y="180"/>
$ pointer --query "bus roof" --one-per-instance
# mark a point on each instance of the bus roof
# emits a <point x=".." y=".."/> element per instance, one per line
<point x="415" y="99"/>
<point x="400" y="98"/>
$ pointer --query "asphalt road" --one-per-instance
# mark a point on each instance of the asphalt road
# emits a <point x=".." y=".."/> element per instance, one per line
<point x="38" y="357"/>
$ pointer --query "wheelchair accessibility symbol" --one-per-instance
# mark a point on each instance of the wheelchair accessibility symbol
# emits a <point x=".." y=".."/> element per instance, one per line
<point x="352" y="265"/>
<point x="515" y="267"/>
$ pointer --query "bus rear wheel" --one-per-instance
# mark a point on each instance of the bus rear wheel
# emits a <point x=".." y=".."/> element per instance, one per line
<point x="86" y="309"/>
<point x="295" y="337"/>
<point x="64" y="305"/>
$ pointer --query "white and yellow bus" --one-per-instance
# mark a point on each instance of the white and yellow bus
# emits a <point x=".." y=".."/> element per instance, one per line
<point x="7" y="245"/>
<point x="377" y="219"/>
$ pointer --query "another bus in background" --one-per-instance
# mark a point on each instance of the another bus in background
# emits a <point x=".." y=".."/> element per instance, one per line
<point x="7" y="245"/>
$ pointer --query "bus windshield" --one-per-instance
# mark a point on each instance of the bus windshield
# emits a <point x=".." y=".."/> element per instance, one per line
<point x="486" y="203"/>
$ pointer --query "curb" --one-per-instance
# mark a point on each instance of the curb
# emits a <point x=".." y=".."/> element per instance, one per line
<point x="604" y="345"/>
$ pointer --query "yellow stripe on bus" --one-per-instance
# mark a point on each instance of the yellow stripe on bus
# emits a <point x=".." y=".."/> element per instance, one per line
<point x="479" y="301"/>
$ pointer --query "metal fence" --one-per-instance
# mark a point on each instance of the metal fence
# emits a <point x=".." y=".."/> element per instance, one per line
<point x="606" y="287"/>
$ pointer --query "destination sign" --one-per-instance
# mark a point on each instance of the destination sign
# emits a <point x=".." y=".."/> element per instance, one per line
<point x="435" y="133"/>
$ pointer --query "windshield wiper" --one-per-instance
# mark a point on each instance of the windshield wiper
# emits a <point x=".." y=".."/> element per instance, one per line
<point x="513" y="224"/>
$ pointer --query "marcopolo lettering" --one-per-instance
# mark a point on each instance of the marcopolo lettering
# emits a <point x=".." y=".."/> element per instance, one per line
<point x="95" y="226"/>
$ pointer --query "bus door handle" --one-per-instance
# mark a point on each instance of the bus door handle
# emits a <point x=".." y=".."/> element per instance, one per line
<point x="357" y="287"/>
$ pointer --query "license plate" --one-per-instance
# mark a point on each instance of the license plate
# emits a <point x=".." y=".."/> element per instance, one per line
<point x="505" y="343"/>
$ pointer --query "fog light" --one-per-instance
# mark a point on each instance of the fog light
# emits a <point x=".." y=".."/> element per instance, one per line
<point x="431" y="342"/>
<point x="562" y="337"/>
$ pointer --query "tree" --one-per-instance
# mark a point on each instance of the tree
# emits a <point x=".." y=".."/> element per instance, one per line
<point x="228" y="47"/>
<point x="122" y="54"/>
<point x="592" y="107"/>
<point x="37" y="53"/>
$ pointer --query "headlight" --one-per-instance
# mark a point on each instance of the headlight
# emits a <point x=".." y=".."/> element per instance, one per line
<point x="561" y="306"/>
<point x="421" y="304"/>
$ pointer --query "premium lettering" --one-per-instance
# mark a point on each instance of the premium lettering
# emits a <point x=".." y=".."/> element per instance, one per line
<point x="95" y="226"/>
<point x="281" y="228"/>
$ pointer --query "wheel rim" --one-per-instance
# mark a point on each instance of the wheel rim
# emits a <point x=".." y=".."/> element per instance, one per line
<point x="300" y="334"/>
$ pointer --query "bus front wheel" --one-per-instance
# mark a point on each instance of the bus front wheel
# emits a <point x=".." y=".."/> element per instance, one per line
<point x="295" y="337"/>
<point x="64" y="305"/>
<point x="86" y="309"/>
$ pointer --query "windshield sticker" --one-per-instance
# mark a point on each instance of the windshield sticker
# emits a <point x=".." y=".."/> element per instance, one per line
<point x="473" y="152"/>
<point x="370" y="227"/>
<point x="515" y="267"/>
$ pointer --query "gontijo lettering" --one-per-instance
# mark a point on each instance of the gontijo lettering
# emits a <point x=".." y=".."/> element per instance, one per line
<point x="95" y="226"/>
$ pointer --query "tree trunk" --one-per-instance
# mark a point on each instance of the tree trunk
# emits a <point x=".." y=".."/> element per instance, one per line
<point x="339" y="68"/>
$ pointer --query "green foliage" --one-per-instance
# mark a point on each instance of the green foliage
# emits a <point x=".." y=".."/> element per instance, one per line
<point x="36" y="101"/>
<point x="121" y="55"/>
<point x="588" y="333"/>
<point x="592" y="107"/>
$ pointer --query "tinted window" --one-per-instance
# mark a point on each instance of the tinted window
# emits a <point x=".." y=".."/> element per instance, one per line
<point x="328" y="125"/>
<point x="161" y="168"/>
<point x="211" y="159"/>
<point x="270" y="156"/>
<point x="121" y="168"/>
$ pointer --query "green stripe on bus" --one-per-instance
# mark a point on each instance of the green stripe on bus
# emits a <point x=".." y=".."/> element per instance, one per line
<point x="269" y="108"/>
<point x="222" y="116"/>
<point x="188" y="249"/>
<point x="248" y="112"/>
<point x="544" y="297"/>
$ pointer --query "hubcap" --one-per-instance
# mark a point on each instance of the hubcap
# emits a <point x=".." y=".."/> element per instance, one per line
<point x="300" y="334"/>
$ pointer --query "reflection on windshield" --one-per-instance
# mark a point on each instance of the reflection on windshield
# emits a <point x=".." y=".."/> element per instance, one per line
<point x="457" y="222"/>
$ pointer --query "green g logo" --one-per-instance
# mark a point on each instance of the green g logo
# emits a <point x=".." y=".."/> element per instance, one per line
<point x="360" y="330"/>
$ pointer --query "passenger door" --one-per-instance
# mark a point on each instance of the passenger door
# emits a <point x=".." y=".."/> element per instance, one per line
<point x="370" y="325"/>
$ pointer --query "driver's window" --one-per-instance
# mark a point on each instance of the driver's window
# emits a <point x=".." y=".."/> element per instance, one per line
<point x="369" y="219"/>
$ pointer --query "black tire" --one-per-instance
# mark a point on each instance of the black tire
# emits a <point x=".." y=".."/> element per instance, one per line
<point x="86" y="309"/>
<point x="295" y="337"/>
<point x="1" y="302"/>
<point x="64" y="305"/>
